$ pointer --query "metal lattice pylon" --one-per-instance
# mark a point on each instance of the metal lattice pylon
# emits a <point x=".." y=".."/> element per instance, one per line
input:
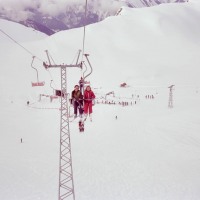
<point x="66" y="182"/>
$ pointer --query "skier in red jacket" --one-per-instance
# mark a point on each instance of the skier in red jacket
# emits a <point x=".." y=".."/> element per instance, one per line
<point x="88" y="97"/>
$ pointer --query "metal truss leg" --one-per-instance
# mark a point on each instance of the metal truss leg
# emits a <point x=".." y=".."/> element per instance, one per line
<point x="66" y="183"/>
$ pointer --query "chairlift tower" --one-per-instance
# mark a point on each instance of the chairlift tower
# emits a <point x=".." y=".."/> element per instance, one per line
<point x="66" y="182"/>
<point x="170" y="102"/>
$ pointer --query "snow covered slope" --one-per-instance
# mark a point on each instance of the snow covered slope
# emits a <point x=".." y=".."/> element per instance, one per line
<point x="149" y="151"/>
<point x="19" y="32"/>
<point x="140" y="46"/>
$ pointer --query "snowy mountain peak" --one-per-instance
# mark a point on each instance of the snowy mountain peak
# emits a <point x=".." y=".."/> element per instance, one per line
<point x="50" y="17"/>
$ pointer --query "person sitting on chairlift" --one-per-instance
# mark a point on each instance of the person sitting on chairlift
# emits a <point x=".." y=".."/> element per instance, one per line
<point x="88" y="98"/>
<point x="77" y="100"/>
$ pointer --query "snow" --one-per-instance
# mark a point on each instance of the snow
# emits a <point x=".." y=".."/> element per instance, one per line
<point x="149" y="151"/>
<point x="19" y="33"/>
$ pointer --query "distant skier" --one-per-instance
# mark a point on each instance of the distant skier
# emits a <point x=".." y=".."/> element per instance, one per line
<point x="88" y="98"/>
<point x="77" y="100"/>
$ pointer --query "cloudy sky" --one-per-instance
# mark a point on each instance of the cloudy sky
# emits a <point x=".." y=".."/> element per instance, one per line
<point x="18" y="9"/>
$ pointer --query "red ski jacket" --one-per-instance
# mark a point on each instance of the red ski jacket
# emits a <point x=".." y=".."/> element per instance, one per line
<point x="88" y="96"/>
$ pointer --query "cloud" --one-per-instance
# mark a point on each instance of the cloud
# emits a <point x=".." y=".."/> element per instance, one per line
<point x="20" y="10"/>
<point x="53" y="7"/>
<point x="18" y="5"/>
<point x="108" y="5"/>
<point x="17" y="11"/>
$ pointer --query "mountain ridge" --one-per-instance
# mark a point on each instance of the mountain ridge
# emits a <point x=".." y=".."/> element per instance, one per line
<point x="72" y="16"/>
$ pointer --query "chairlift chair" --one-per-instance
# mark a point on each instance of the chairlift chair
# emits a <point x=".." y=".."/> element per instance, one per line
<point x="86" y="83"/>
<point x="38" y="83"/>
<point x="56" y="93"/>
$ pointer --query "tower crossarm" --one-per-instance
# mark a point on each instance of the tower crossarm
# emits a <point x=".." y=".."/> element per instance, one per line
<point x="61" y="66"/>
